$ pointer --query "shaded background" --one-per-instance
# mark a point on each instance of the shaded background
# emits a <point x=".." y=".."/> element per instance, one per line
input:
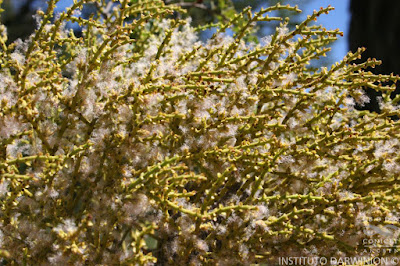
<point x="376" y="26"/>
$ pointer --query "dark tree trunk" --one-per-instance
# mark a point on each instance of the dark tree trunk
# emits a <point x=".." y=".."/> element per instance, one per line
<point x="375" y="25"/>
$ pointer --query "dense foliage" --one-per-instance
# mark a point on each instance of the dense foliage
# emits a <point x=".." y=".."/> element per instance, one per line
<point x="139" y="144"/>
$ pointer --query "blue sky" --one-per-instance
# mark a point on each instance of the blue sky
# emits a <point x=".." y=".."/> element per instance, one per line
<point x="338" y="18"/>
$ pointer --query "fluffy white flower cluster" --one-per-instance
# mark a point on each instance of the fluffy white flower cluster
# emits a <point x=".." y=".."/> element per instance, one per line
<point x="140" y="144"/>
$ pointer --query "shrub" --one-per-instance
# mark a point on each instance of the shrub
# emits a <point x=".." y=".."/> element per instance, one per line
<point x="138" y="144"/>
